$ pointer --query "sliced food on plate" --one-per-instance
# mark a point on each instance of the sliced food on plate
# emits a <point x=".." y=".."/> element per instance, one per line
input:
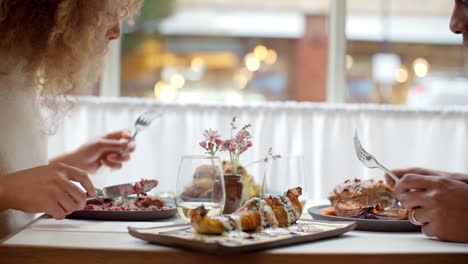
<point x="365" y="199"/>
<point x="142" y="202"/>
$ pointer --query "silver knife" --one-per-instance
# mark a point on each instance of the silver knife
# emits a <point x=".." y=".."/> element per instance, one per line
<point x="125" y="189"/>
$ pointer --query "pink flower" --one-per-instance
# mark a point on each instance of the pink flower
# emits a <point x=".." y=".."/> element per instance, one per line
<point x="232" y="148"/>
<point x="236" y="145"/>
<point x="244" y="148"/>
<point x="211" y="135"/>
<point x="212" y="143"/>
<point x="227" y="145"/>
<point x="203" y="144"/>
<point x="242" y="135"/>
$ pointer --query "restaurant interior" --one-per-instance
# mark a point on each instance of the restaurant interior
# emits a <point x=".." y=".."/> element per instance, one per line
<point x="307" y="89"/>
<point x="284" y="67"/>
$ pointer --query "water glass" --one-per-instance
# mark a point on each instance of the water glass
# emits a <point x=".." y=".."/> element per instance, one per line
<point x="194" y="187"/>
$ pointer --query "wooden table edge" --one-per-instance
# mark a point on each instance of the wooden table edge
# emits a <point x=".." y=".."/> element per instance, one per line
<point x="44" y="254"/>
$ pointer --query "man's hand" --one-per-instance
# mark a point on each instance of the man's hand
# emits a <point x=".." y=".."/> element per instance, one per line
<point x="439" y="203"/>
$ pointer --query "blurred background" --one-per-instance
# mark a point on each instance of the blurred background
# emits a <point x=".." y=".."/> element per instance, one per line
<point x="201" y="62"/>
<point x="397" y="52"/>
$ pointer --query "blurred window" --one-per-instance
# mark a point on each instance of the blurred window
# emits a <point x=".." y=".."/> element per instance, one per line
<point x="402" y="52"/>
<point x="226" y="51"/>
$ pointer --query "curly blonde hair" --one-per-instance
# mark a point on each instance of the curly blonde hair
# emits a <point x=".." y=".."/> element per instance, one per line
<point x="58" y="45"/>
<point x="57" y="39"/>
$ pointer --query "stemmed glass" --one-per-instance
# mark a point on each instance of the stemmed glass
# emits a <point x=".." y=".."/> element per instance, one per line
<point x="274" y="176"/>
<point x="282" y="174"/>
<point x="200" y="182"/>
<point x="285" y="173"/>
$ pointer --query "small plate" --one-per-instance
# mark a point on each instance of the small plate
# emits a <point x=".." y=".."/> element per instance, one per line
<point x="367" y="224"/>
<point x="133" y="215"/>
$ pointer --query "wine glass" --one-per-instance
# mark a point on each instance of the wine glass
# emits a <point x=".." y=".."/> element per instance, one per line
<point x="282" y="174"/>
<point x="200" y="182"/>
<point x="274" y="176"/>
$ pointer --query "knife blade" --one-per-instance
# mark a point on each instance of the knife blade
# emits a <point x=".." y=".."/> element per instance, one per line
<point x="126" y="189"/>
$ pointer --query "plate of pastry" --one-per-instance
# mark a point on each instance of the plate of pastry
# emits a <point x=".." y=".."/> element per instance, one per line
<point x="259" y="224"/>
<point x="370" y="203"/>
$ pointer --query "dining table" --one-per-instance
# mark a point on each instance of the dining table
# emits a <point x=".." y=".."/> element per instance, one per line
<point x="70" y="241"/>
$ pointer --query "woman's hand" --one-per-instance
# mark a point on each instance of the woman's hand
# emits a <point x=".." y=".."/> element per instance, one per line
<point x="427" y="172"/>
<point x="439" y="203"/>
<point x="111" y="150"/>
<point x="46" y="189"/>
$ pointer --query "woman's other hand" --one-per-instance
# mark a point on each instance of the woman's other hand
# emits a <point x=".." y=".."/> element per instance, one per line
<point x="112" y="150"/>
<point x="46" y="189"/>
<point x="439" y="204"/>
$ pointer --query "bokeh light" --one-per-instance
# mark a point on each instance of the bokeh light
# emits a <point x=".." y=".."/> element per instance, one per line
<point x="421" y="67"/>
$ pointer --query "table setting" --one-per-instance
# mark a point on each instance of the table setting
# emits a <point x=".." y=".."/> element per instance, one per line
<point x="216" y="188"/>
<point x="220" y="206"/>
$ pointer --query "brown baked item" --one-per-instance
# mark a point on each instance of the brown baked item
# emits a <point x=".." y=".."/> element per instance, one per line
<point x="254" y="215"/>
<point x="365" y="193"/>
<point x="370" y="199"/>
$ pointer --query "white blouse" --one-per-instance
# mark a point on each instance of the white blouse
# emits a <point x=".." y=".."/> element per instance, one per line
<point x="23" y="140"/>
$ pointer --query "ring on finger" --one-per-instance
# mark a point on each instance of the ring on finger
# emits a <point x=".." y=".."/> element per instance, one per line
<point x="413" y="218"/>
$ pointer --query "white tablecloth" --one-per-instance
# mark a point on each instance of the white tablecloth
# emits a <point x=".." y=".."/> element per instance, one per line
<point x="114" y="235"/>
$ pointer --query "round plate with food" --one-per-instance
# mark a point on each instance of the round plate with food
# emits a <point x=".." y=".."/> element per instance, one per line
<point x="370" y="203"/>
<point x="383" y="225"/>
<point x="141" y="208"/>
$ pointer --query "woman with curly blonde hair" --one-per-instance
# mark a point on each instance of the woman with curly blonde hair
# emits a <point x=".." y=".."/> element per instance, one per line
<point x="48" y="48"/>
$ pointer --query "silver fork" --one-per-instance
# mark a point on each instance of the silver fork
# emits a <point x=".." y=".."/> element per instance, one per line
<point x="142" y="122"/>
<point x="368" y="160"/>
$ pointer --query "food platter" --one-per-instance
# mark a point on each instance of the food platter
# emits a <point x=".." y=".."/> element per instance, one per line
<point x="380" y="225"/>
<point x="184" y="236"/>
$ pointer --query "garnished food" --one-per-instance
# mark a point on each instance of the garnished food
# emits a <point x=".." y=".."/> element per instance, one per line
<point x="255" y="215"/>
<point x="139" y="187"/>
<point x="143" y="201"/>
<point x="364" y="199"/>
<point x="366" y="193"/>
